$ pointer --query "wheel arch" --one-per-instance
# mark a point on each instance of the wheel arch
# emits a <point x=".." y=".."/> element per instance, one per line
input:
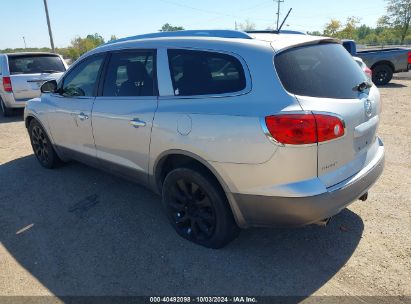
<point x="384" y="62"/>
<point x="171" y="159"/>
<point x="29" y="118"/>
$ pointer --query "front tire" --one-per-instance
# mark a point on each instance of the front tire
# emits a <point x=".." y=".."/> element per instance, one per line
<point x="382" y="74"/>
<point x="42" y="146"/>
<point x="4" y="109"/>
<point x="197" y="208"/>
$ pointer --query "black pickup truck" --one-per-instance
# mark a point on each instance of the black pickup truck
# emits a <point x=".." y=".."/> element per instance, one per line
<point x="383" y="62"/>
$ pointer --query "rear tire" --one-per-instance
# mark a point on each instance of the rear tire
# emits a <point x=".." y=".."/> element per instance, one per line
<point x="42" y="146"/>
<point x="197" y="207"/>
<point x="4" y="109"/>
<point x="382" y="74"/>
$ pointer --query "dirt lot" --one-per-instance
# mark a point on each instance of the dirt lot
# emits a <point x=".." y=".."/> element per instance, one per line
<point x="79" y="231"/>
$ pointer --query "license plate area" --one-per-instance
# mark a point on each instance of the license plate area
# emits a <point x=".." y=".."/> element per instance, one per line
<point x="363" y="142"/>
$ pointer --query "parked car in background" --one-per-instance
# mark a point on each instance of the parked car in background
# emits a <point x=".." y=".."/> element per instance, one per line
<point x="22" y="74"/>
<point x="363" y="66"/>
<point x="220" y="126"/>
<point x="383" y="62"/>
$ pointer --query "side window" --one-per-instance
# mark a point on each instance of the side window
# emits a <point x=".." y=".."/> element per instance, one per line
<point x="130" y="74"/>
<point x="202" y="73"/>
<point x="81" y="81"/>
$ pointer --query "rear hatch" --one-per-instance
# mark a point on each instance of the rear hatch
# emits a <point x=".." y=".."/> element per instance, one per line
<point x="324" y="78"/>
<point x="29" y="71"/>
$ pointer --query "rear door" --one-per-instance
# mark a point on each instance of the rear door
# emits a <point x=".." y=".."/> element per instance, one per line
<point x="324" y="79"/>
<point x="124" y="110"/>
<point x="29" y="71"/>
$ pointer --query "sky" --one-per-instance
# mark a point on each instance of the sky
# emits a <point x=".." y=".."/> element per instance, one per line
<point x="72" y="18"/>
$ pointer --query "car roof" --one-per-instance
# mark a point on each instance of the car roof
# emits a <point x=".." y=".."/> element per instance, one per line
<point x="213" y="39"/>
<point x="30" y="53"/>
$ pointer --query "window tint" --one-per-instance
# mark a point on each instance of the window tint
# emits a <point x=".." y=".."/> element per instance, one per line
<point x="32" y="64"/>
<point x="81" y="80"/>
<point x="130" y="74"/>
<point x="201" y="73"/>
<point x="324" y="70"/>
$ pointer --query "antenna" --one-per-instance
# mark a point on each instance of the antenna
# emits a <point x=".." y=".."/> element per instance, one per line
<point x="279" y="29"/>
<point x="278" y="11"/>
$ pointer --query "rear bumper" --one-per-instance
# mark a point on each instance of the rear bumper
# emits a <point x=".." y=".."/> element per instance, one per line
<point x="11" y="102"/>
<point x="260" y="210"/>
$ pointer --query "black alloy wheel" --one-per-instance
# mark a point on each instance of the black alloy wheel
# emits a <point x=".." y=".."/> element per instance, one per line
<point x="197" y="207"/>
<point x="382" y="74"/>
<point x="192" y="210"/>
<point x="42" y="146"/>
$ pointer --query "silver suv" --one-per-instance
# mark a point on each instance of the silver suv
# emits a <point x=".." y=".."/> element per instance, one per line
<point x="232" y="129"/>
<point x="22" y="74"/>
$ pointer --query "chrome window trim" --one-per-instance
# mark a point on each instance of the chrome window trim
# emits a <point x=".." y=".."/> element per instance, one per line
<point x="151" y="97"/>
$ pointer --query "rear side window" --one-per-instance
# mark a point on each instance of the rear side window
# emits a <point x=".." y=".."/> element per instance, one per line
<point x="203" y="73"/>
<point x="324" y="70"/>
<point x="130" y="74"/>
<point x="33" y="64"/>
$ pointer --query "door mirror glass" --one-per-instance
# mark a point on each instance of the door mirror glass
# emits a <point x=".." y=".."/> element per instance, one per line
<point x="49" y="87"/>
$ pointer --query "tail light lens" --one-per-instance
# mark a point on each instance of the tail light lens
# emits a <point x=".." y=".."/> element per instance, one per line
<point x="409" y="57"/>
<point x="7" y="84"/>
<point x="368" y="71"/>
<point x="302" y="129"/>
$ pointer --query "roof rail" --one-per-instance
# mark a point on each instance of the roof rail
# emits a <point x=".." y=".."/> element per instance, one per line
<point x="188" y="33"/>
<point x="276" y="32"/>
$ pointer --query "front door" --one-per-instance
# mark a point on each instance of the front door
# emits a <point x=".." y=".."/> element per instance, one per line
<point x="70" y="119"/>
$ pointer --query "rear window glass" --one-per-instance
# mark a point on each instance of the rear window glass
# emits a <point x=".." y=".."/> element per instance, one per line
<point x="33" y="64"/>
<point x="324" y="70"/>
<point x="203" y="73"/>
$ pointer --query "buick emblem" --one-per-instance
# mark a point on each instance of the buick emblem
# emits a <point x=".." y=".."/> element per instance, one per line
<point x="368" y="107"/>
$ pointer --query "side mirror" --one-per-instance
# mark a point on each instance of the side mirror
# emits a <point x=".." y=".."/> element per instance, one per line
<point x="49" y="87"/>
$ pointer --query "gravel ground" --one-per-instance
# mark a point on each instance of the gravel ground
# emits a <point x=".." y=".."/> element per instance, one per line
<point x="79" y="231"/>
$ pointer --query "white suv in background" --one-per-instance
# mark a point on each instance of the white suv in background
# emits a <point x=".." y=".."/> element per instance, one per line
<point x="22" y="74"/>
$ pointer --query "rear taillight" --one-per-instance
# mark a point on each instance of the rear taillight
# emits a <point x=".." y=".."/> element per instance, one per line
<point x="328" y="127"/>
<point x="302" y="129"/>
<point x="7" y="84"/>
<point x="409" y="57"/>
<point x="368" y="71"/>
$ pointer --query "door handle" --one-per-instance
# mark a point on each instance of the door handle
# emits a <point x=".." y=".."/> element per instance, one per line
<point x="82" y="116"/>
<point x="137" y="123"/>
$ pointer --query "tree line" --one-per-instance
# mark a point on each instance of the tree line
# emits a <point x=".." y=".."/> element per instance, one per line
<point x="392" y="28"/>
<point x="80" y="46"/>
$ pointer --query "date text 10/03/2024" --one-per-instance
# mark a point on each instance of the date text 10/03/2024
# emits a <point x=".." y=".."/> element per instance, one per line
<point x="203" y="300"/>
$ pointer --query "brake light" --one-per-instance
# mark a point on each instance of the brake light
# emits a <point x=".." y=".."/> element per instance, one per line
<point x="301" y="129"/>
<point x="368" y="71"/>
<point x="7" y="84"/>
<point x="409" y="57"/>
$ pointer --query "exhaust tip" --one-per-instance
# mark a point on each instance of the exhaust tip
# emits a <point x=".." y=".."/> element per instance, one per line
<point x="363" y="197"/>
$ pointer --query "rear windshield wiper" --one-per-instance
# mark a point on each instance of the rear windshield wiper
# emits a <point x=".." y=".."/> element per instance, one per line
<point x="362" y="86"/>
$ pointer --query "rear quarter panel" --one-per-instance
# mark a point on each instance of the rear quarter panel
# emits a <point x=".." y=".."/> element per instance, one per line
<point x="226" y="131"/>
